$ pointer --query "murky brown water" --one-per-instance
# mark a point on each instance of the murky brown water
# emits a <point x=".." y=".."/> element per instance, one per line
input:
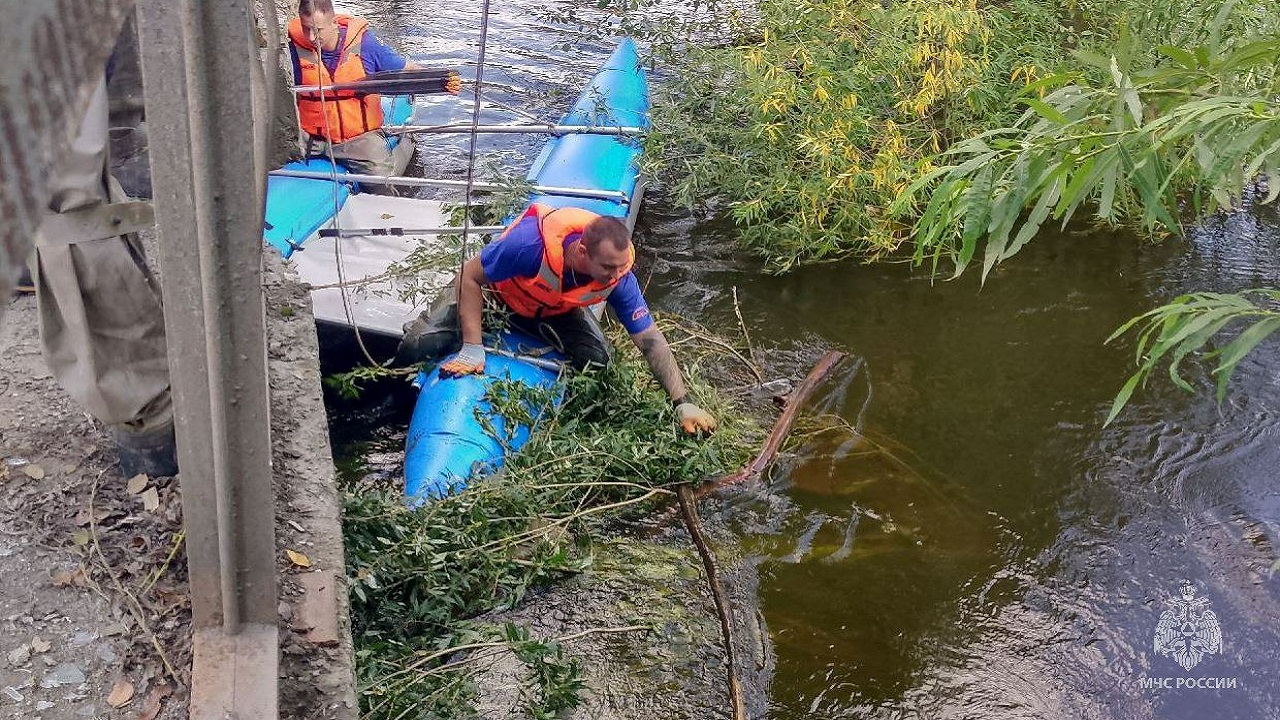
<point x="981" y="547"/>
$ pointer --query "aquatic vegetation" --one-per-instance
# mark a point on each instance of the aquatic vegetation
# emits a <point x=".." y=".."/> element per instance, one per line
<point x="955" y="131"/>
<point x="854" y="129"/>
<point x="1191" y="133"/>
<point x="811" y="128"/>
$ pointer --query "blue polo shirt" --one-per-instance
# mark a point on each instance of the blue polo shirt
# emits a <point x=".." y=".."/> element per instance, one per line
<point x="519" y="254"/>
<point x="373" y="55"/>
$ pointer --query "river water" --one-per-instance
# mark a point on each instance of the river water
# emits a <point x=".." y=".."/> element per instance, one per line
<point x="975" y="544"/>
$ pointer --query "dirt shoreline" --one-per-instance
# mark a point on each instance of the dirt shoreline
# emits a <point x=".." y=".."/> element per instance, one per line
<point x="55" y="459"/>
<point x="95" y="590"/>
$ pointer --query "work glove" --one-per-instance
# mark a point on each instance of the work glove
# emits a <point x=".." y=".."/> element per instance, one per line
<point x="468" y="361"/>
<point x="694" y="419"/>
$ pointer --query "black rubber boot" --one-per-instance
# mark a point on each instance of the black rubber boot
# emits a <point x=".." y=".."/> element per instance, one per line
<point x="152" y="452"/>
<point x="25" y="284"/>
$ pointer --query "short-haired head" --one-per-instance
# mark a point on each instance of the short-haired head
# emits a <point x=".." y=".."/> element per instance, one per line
<point x="606" y="230"/>
<point x="318" y="23"/>
<point x="308" y="7"/>
<point x="605" y="252"/>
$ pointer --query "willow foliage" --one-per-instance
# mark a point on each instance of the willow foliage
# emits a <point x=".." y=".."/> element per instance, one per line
<point x="1193" y="132"/>
<point x="829" y="129"/>
<point x="810" y="130"/>
<point x="1173" y="331"/>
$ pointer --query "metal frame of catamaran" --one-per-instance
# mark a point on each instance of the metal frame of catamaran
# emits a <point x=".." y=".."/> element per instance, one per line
<point x="530" y="128"/>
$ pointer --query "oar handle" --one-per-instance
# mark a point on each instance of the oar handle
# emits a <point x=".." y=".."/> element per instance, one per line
<point x="401" y="231"/>
<point x="335" y="232"/>
<point x="423" y="81"/>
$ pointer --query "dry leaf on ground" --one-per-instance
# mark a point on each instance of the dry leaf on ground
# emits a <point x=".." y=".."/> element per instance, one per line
<point x="40" y="646"/>
<point x="121" y="694"/>
<point x="35" y="472"/>
<point x="137" y="483"/>
<point x="151" y="499"/>
<point x="64" y="578"/>
<point x="298" y="558"/>
<point x="154" y="700"/>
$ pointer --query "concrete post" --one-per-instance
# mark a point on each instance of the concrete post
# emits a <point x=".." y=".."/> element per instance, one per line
<point x="201" y="77"/>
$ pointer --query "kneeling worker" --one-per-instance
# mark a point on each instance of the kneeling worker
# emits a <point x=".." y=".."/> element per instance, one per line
<point x="547" y="268"/>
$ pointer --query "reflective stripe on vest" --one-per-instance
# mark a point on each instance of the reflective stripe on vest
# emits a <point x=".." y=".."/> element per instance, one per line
<point x="543" y="295"/>
<point x="347" y="113"/>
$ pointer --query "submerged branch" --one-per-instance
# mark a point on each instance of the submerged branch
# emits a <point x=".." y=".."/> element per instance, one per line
<point x="781" y="428"/>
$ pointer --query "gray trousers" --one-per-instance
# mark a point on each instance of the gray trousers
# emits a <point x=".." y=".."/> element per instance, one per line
<point x="437" y="332"/>
<point x="101" y="320"/>
<point x="367" y="154"/>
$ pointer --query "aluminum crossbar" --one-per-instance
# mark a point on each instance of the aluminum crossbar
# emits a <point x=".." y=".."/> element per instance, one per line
<point x="525" y="128"/>
<point x="440" y="182"/>
<point x="400" y="231"/>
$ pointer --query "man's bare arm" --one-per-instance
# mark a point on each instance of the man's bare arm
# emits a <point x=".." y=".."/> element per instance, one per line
<point x="471" y="300"/>
<point x="662" y="362"/>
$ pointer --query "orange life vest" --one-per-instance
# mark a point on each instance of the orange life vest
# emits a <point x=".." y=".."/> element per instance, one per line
<point x="349" y="114"/>
<point x="543" y="295"/>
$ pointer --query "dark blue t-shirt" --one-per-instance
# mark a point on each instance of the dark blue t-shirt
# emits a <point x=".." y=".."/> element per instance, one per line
<point x="373" y="55"/>
<point x="519" y="254"/>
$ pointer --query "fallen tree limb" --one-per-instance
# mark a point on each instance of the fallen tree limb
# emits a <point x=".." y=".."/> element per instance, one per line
<point x="781" y="427"/>
<point x="689" y="507"/>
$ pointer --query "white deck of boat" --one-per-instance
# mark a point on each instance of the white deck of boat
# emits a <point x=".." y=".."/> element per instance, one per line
<point x="372" y="306"/>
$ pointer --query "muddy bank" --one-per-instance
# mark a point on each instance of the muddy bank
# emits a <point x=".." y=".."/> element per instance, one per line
<point x="673" y="665"/>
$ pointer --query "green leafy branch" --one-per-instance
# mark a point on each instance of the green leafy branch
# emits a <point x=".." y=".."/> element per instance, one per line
<point x="1172" y="332"/>
<point x="419" y="576"/>
<point x="1133" y="149"/>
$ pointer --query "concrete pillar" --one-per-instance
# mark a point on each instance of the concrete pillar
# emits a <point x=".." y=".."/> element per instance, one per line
<point x="202" y="73"/>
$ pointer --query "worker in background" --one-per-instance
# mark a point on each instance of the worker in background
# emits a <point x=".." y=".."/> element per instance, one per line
<point x="346" y="123"/>
<point x="547" y="268"/>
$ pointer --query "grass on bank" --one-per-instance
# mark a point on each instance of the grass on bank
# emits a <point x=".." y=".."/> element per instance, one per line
<point x="419" y="577"/>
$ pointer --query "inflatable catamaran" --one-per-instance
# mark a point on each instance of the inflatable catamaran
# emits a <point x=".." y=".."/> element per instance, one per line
<point x="317" y="218"/>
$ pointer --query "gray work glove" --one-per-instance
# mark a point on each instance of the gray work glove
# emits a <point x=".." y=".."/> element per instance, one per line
<point x="694" y="419"/>
<point x="468" y="361"/>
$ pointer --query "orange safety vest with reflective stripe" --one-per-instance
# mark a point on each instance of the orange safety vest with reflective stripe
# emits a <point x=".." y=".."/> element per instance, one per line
<point x="544" y="294"/>
<point x="348" y="114"/>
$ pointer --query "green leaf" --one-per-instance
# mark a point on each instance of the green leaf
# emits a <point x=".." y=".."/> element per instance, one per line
<point x="1110" y="178"/>
<point x="1122" y="397"/>
<point x="1045" y="110"/>
<point x="1038" y="214"/>
<point x="1076" y="191"/>
<point x="1179" y="55"/>
<point x="977" y="214"/>
<point x="1244" y="343"/>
